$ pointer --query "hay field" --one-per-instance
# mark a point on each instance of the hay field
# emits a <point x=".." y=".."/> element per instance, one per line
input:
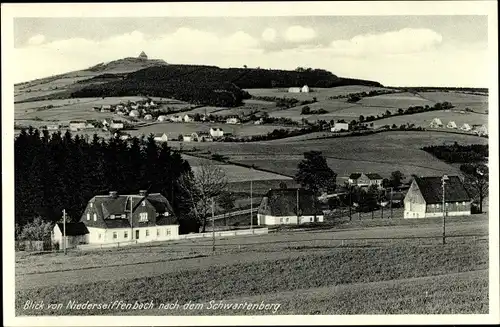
<point x="460" y="100"/>
<point x="319" y="93"/>
<point x="381" y="153"/>
<point x="424" y="118"/>
<point x="396" y="100"/>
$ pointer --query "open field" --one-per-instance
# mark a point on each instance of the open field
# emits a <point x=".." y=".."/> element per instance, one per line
<point x="424" y="118"/>
<point x="381" y="153"/>
<point x="319" y="93"/>
<point x="396" y="100"/>
<point x="460" y="100"/>
<point x="270" y="271"/>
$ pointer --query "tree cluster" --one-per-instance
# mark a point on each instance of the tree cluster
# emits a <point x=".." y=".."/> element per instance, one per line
<point x="457" y="153"/>
<point x="59" y="171"/>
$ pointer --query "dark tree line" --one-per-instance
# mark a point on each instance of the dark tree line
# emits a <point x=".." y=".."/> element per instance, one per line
<point x="457" y="153"/>
<point x="59" y="171"/>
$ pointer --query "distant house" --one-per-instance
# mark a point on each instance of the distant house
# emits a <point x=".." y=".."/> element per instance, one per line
<point x="259" y="122"/>
<point x="187" y="138"/>
<point x="134" y="113"/>
<point x="134" y="107"/>
<point x="96" y="108"/>
<point x="53" y="127"/>
<point x="216" y="132"/>
<point x="89" y="126"/>
<point x="176" y="119"/>
<point x="451" y="124"/>
<point x="161" y="137"/>
<point x="365" y="180"/>
<point x="120" y="107"/>
<point x="339" y="127"/>
<point x="162" y="118"/>
<point x="204" y="137"/>
<point x="233" y="120"/>
<point x="466" y="127"/>
<point x="305" y="89"/>
<point x="188" y="118"/>
<point x="146" y="105"/>
<point x="143" y="56"/>
<point x="76" y="233"/>
<point x="148" y="117"/>
<point x="425" y="198"/>
<point x="77" y="125"/>
<point x="140" y="217"/>
<point x="105" y="108"/>
<point x="125" y="137"/>
<point x="436" y="122"/>
<point x="121" y="113"/>
<point x="480" y="130"/>
<point x="279" y="207"/>
<point x="152" y="104"/>
<point x="294" y="90"/>
<point x="116" y="124"/>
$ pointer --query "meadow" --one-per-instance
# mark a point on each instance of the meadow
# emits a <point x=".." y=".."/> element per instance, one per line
<point x="264" y="273"/>
<point x="381" y="153"/>
<point x="423" y="119"/>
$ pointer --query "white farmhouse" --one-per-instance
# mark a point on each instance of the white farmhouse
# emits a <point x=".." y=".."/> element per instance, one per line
<point x="452" y="125"/>
<point x="161" y="137"/>
<point x="233" y="120"/>
<point x="176" y="119"/>
<point x="188" y="119"/>
<point x="134" y="113"/>
<point x="148" y="117"/>
<point x="305" y="89"/>
<point x="339" y="127"/>
<point x="294" y="90"/>
<point x="216" y="132"/>
<point x="465" y="127"/>
<point x="162" y="118"/>
<point x="436" y="122"/>
<point x="279" y="207"/>
<point x="117" y="218"/>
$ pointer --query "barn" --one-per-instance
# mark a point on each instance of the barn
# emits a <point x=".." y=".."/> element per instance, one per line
<point x="425" y="198"/>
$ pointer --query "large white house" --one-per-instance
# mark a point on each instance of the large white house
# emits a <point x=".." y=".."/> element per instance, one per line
<point x="279" y="207"/>
<point x="216" y="132"/>
<point x="425" y="198"/>
<point x="122" y="218"/>
<point x="233" y="120"/>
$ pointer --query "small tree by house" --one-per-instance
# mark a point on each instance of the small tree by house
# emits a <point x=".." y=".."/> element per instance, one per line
<point x="36" y="230"/>
<point x="476" y="181"/>
<point x="396" y="179"/>
<point x="314" y="173"/>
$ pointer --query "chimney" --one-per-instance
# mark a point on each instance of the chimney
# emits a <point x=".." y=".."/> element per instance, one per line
<point x="113" y="194"/>
<point x="143" y="192"/>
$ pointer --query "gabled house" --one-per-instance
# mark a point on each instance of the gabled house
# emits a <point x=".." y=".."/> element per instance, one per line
<point x="436" y="122"/>
<point x="116" y="124"/>
<point x="106" y="108"/>
<point x="205" y="137"/>
<point x="123" y="218"/>
<point x="187" y="138"/>
<point x="451" y="124"/>
<point x="305" y="89"/>
<point x="279" y="207"/>
<point x="339" y="127"/>
<point x="162" y="118"/>
<point x="480" y="130"/>
<point x="425" y="198"/>
<point x="188" y="118"/>
<point x="216" y="132"/>
<point x="294" y="90"/>
<point x="465" y="127"/>
<point x="233" y="120"/>
<point x="161" y="137"/>
<point x="76" y="233"/>
<point x="365" y="180"/>
<point x="148" y="117"/>
<point x="134" y="113"/>
<point x="53" y="127"/>
<point x="77" y="125"/>
<point x="176" y="119"/>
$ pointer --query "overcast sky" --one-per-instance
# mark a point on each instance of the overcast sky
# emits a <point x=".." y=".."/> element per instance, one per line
<point x="394" y="50"/>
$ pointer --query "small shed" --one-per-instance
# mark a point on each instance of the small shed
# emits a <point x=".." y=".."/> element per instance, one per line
<point x="76" y="233"/>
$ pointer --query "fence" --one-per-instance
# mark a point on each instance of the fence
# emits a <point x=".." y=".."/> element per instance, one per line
<point x="35" y="246"/>
<point x="256" y="231"/>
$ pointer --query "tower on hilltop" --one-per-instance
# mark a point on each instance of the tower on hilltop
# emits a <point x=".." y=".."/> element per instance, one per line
<point x="143" y="55"/>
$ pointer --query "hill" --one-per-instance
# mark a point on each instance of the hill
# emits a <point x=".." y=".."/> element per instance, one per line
<point x="198" y="84"/>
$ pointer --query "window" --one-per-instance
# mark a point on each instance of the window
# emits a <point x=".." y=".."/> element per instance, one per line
<point x="463" y="203"/>
<point x="143" y="216"/>
<point x="125" y="234"/>
<point x="147" y="232"/>
<point x="167" y="213"/>
<point x="112" y="216"/>
<point x="447" y="204"/>
<point x="123" y="216"/>
<point x="95" y="217"/>
<point x="281" y="220"/>
<point x="91" y="204"/>
<point x="115" y="236"/>
<point x="167" y="232"/>
<point x="99" y="236"/>
<point x="310" y="219"/>
<point x="88" y="216"/>
<point x="158" y="232"/>
<point x="437" y="206"/>
<point x="433" y="205"/>
<point x="288" y="220"/>
<point x="143" y="203"/>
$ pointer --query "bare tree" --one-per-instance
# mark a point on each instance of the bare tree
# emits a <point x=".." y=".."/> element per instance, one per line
<point x="477" y="181"/>
<point x="208" y="182"/>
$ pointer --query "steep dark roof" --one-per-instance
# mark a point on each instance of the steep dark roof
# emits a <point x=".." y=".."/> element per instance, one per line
<point x="432" y="189"/>
<point x="117" y="223"/>
<point x="164" y="220"/>
<point x="160" y="203"/>
<point x="74" y="229"/>
<point x="355" y="176"/>
<point x="373" y="176"/>
<point x="283" y="202"/>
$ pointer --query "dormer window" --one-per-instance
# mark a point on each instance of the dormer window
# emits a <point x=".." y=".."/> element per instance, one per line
<point x="91" y="204"/>
<point x="143" y="203"/>
<point x="167" y="213"/>
<point x="112" y="217"/>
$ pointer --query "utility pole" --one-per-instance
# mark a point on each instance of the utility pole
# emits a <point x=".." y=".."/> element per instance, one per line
<point x="251" y="204"/>
<point x="297" y="206"/>
<point x="213" y="227"/>
<point x="131" y="219"/>
<point x="444" y="179"/>
<point x="391" y="203"/>
<point x="64" y="231"/>
<point x="350" y="201"/>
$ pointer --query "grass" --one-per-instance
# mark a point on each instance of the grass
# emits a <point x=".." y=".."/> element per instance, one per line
<point x="274" y="276"/>
<point x="382" y="153"/>
<point x="424" y="119"/>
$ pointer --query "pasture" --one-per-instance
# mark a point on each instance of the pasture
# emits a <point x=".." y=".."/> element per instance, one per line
<point x="423" y="119"/>
<point x="381" y="153"/>
<point x="460" y="100"/>
<point x="278" y="267"/>
<point x="320" y="93"/>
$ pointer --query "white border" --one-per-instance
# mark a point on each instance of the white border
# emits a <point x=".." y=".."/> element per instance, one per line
<point x="9" y="11"/>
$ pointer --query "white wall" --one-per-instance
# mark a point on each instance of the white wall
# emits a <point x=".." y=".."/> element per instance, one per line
<point x="286" y="220"/>
<point x="155" y="233"/>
